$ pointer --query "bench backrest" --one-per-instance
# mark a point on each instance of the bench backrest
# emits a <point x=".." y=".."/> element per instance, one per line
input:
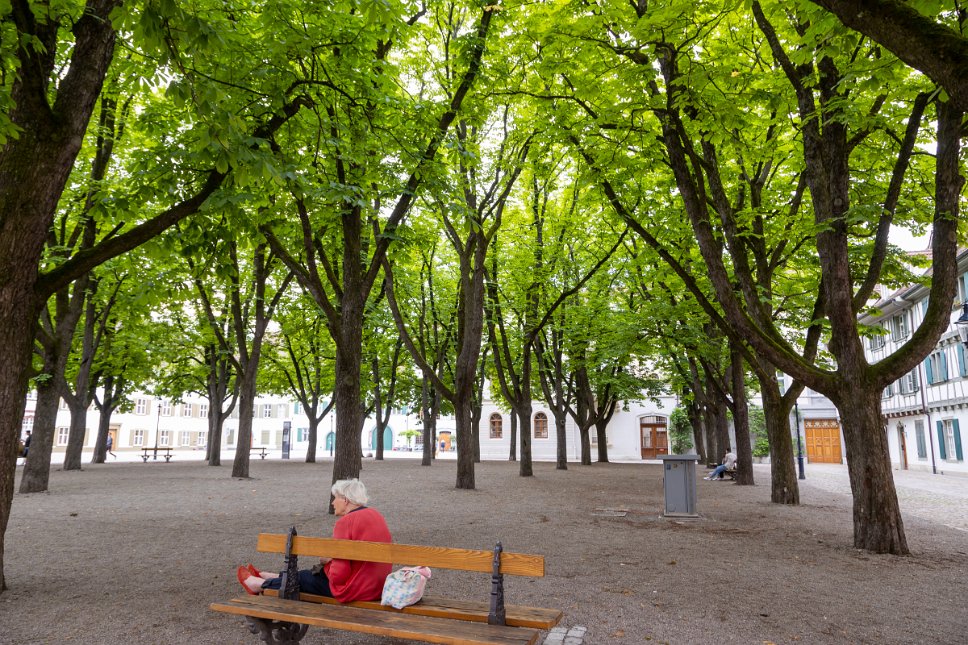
<point x="515" y="564"/>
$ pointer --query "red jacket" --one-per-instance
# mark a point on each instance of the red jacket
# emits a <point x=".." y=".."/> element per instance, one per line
<point x="351" y="580"/>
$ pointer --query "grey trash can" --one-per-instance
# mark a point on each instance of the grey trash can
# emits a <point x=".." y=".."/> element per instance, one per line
<point x="679" y="483"/>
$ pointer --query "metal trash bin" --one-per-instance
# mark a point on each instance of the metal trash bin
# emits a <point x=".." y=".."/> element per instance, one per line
<point x="679" y="484"/>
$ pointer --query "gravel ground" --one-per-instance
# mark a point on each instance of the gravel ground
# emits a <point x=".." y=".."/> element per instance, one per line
<point x="134" y="553"/>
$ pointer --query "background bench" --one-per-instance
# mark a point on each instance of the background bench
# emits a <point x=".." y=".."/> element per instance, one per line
<point x="433" y="619"/>
<point x="148" y="452"/>
<point x="262" y="452"/>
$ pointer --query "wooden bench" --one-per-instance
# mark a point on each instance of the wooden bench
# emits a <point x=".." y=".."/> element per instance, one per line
<point x="262" y="451"/>
<point x="147" y="452"/>
<point x="432" y="620"/>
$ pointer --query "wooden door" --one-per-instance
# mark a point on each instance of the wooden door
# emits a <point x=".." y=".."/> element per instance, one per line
<point x="823" y="441"/>
<point x="655" y="439"/>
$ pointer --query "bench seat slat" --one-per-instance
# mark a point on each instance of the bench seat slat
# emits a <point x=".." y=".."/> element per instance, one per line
<point x="516" y="615"/>
<point x="398" y="625"/>
<point x="517" y="564"/>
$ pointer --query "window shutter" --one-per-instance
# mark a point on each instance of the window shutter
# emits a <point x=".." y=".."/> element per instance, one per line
<point x="961" y="359"/>
<point x="958" y="454"/>
<point x="928" y="370"/>
<point x="943" y="372"/>
<point x="941" y="446"/>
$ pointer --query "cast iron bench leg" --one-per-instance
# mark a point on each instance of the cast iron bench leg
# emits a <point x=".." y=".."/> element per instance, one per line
<point x="284" y="632"/>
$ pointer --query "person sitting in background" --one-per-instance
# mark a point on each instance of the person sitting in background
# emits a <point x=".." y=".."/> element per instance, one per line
<point x="344" y="580"/>
<point x="729" y="462"/>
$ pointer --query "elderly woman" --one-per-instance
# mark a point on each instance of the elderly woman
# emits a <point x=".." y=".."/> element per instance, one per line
<point x="344" y="580"/>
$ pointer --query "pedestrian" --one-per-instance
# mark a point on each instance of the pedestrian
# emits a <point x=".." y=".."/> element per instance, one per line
<point x="27" y="444"/>
<point x="109" y="444"/>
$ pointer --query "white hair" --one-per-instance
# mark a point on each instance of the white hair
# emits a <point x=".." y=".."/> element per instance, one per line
<point x="352" y="490"/>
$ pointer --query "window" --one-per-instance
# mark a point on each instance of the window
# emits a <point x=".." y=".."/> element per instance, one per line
<point x="908" y="383"/>
<point x="497" y="426"/>
<point x="922" y="443"/>
<point x="62" y="435"/>
<point x="949" y="440"/>
<point x="203" y="410"/>
<point x="297" y="406"/>
<point x="230" y="437"/>
<point x="267" y="411"/>
<point x="166" y="408"/>
<point x="899" y="326"/>
<point x="265" y="438"/>
<point x="141" y="406"/>
<point x="138" y="438"/>
<point x="186" y="438"/>
<point x="201" y="440"/>
<point x="164" y="438"/>
<point x="877" y="340"/>
<point x="888" y="391"/>
<point x="302" y="434"/>
<point x="63" y="404"/>
<point x="282" y="411"/>
<point x="936" y="367"/>
<point x="27" y="425"/>
<point x="541" y="426"/>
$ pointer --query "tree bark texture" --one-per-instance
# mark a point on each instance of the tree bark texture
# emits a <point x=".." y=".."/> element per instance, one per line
<point x="741" y="419"/>
<point x="784" y="488"/>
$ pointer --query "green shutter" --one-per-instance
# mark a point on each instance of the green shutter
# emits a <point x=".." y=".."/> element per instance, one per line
<point x="941" y="448"/>
<point x="943" y="372"/>
<point x="928" y="370"/>
<point x="922" y="447"/>
<point x="958" y="454"/>
<point x="961" y="359"/>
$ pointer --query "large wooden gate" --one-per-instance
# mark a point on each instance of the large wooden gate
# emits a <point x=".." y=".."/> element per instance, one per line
<point x="823" y="441"/>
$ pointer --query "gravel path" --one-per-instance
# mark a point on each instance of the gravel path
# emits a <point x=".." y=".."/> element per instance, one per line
<point x="134" y="553"/>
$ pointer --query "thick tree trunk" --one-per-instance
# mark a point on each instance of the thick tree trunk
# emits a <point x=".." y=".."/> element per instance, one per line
<point x="523" y="411"/>
<point x="601" y="427"/>
<point x="741" y="420"/>
<point x="75" y="437"/>
<point x="247" y="394"/>
<point x="586" y="445"/>
<point x="561" y="438"/>
<point x="313" y="436"/>
<point x="465" y="446"/>
<point x="784" y="488"/>
<point x="877" y="518"/>
<point x="36" y="473"/>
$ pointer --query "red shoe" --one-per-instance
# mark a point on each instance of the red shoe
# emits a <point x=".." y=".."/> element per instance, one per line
<point x="253" y="571"/>
<point x="244" y="574"/>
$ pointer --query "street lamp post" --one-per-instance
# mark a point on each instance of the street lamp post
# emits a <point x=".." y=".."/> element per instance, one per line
<point x="157" y="425"/>
<point x="796" y="411"/>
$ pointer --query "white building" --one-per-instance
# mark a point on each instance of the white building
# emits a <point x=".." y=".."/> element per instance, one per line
<point x="923" y="411"/>
<point x="634" y="434"/>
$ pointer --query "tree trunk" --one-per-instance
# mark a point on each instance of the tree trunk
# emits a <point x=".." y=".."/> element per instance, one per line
<point x="601" y="426"/>
<point x="36" y="473"/>
<point x="877" y="518"/>
<point x="741" y="420"/>
<point x="523" y="410"/>
<point x="784" y="488"/>
<point x="512" y="456"/>
<point x="247" y="394"/>
<point x="312" y="439"/>
<point x="586" y="445"/>
<point x="695" y="420"/>
<point x="561" y="437"/>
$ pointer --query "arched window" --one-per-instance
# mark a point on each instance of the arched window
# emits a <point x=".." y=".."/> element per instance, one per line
<point x="497" y="426"/>
<point x="541" y="426"/>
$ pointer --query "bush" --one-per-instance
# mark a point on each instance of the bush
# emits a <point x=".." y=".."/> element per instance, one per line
<point x="680" y="432"/>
